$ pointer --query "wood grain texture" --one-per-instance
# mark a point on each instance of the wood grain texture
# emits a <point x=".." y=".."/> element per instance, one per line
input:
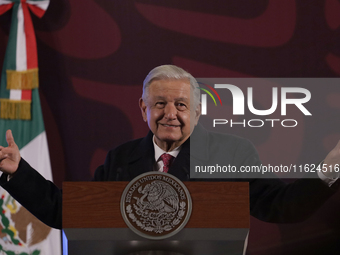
<point x="97" y="204"/>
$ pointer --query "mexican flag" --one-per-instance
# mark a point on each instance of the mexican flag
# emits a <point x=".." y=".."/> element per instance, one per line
<point x="20" y="110"/>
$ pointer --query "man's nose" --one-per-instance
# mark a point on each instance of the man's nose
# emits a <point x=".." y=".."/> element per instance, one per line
<point x="170" y="111"/>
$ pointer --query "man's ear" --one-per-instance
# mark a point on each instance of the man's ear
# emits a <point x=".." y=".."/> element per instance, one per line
<point x="143" y="109"/>
<point x="197" y="113"/>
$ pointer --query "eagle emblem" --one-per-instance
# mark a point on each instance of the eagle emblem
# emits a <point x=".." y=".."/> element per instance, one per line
<point x="155" y="205"/>
<point x="158" y="196"/>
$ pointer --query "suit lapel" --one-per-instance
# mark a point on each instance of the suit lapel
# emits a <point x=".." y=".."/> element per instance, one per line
<point x="181" y="165"/>
<point x="142" y="158"/>
<point x="193" y="152"/>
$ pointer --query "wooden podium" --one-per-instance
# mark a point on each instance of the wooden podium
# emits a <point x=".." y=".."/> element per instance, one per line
<point x="92" y="221"/>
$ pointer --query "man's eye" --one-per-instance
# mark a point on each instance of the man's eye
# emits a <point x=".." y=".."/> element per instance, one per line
<point x="160" y="104"/>
<point x="181" y="106"/>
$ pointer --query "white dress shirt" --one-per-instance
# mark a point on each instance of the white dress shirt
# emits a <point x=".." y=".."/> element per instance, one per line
<point x="158" y="152"/>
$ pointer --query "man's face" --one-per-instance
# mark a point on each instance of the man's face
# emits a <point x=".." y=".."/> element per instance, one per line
<point x="168" y="110"/>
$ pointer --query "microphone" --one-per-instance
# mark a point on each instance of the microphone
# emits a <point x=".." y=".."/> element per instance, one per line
<point x="118" y="173"/>
<point x="187" y="174"/>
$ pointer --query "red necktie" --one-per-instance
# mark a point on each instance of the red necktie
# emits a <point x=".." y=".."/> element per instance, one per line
<point x="166" y="158"/>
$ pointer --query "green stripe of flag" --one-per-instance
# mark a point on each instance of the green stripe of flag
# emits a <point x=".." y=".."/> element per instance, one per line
<point x="24" y="131"/>
<point x="10" y="55"/>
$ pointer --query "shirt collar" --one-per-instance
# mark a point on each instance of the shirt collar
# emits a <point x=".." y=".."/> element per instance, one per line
<point x="159" y="151"/>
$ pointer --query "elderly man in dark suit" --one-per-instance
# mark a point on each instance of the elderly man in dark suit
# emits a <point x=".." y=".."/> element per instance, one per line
<point x="170" y="105"/>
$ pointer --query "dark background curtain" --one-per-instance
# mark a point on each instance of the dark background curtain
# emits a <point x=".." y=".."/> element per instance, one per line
<point x="94" y="55"/>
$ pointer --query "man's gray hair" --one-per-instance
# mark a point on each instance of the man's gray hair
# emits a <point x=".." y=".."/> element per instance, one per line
<point x="168" y="72"/>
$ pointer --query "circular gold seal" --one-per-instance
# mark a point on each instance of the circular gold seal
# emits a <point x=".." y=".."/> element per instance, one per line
<point x="156" y="205"/>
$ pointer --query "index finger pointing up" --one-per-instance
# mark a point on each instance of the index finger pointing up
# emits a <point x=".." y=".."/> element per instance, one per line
<point x="9" y="138"/>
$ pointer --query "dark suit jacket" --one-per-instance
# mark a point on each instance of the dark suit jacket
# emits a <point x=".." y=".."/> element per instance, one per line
<point x="271" y="200"/>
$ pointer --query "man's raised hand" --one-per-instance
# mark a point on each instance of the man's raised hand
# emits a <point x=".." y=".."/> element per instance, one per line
<point x="331" y="163"/>
<point x="9" y="156"/>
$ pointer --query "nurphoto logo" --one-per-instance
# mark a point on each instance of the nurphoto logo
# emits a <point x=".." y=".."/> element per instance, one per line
<point x="280" y="98"/>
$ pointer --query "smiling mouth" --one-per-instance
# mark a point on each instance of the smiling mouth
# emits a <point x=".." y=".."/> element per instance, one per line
<point x="166" y="125"/>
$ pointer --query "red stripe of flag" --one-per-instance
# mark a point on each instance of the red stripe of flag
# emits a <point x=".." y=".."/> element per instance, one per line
<point x="31" y="44"/>
<point x="4" y="8"/>
<point x="26" y="94"/>
<point x="36" y="10"/>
